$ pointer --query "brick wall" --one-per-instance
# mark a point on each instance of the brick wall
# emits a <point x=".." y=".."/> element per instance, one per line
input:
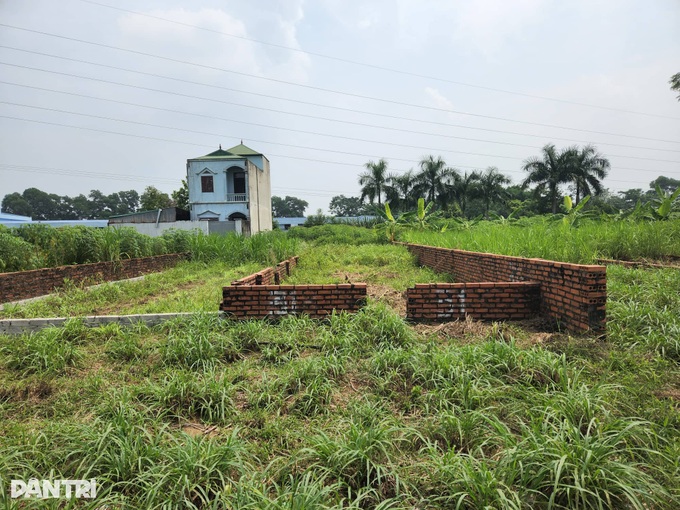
<point x="38" y="282"/>
<point x="260" y="295"/>
<point x="271" y="301"/>
<point x="269" y="275"/>
<point x="574" y="295"/>
<point x="484" y="301"/>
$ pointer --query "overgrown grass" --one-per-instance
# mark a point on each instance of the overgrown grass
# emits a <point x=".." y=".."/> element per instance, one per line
<point x="539" y="237"/>
<point x="357" y="411"/>
<point x="337" y="234"/>
<point x="188" y="287"/>
<point x="644" y="309"/>
<point x="36" y="245"/>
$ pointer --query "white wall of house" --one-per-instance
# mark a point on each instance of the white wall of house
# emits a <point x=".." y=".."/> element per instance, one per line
<point x="207" y="227"/>
<point x="220" y="203"/>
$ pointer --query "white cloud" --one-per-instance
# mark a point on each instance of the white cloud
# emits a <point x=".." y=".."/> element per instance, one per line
<point x="439" y="100"/>
<point x="485" y="25"/>
<point x="230" y="50"/>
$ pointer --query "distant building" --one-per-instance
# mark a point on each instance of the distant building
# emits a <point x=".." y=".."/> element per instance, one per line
<point x="14" y="220"/>
<point x="286" y="223"/>
<point x="166" y="215"/>
<point x="7" y="218"/>
<point x="231" y="185"/>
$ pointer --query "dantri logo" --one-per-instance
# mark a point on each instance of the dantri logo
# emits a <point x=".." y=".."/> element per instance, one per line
<point x="46" y="489"/>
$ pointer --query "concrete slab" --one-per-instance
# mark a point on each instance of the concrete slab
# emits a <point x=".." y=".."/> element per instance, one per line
<point x="19" y="326"/>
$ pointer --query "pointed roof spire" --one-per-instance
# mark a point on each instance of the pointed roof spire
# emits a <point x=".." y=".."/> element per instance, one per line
<point x="241" y="141"/>
<point x="220" y="146"/>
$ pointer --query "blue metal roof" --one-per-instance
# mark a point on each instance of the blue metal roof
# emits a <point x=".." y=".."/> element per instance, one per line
<point x="13" y="217"/>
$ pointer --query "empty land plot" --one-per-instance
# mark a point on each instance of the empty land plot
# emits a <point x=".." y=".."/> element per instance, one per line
<point x="355" y="410"/>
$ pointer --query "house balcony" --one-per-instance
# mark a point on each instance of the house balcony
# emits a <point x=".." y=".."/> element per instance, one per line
<point x="236" y="197"/>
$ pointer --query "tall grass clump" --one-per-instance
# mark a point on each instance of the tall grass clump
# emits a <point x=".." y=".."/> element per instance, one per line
<point x="337" y="234"/>
<point x="540" y="237"/>
<point x="135" y="465"/>
<point x="47" y="352"/>
<point x="80" y="245"/>
<point x="563" y="465"/>
<point x="263" y="248"/>
<point x="362" y="457"/>
<point x="182" y="394"/>
<point x="643" y="309"/>
<point x="16" y="254"/>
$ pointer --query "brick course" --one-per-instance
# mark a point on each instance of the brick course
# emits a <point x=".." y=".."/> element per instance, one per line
<point x="272" y="301"/>
<point x="260" y="295"/>
<point x="574" y="295"/>
<point x="483" y="301"/>
<point x="38" y="282"/>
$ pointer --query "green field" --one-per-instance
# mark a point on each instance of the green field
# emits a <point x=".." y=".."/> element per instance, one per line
<point x="362" y="411"/>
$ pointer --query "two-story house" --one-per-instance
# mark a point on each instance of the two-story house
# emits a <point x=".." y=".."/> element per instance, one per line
<point x="228" y="185"/>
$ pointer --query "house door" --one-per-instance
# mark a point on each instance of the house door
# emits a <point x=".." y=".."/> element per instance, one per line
<point x="239" y="182"/>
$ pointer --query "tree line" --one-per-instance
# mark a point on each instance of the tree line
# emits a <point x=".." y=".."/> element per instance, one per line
<point x="483" y="192"/>
<point x="41" y="205"/>
<point x="451" y="191"/>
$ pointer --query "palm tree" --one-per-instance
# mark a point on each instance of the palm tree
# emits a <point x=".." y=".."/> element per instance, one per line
<point x="675" y="83"/>
<point x="435" y="180"/>
<point x="588" y="168"/>
<point x="491" y="187"/>
<point x="466" y="188"/>
<point x="400" y="191"/>
<point x="549" y="172"/>
<point x="373" y="181"/>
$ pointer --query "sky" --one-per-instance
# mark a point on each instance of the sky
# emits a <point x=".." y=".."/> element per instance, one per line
<point x="117" y="95"/>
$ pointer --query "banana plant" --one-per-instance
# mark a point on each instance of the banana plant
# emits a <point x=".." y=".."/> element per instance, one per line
<point x="422" y="218"/>
<point x="389" y="225"/>
<point x="573" y="214"/>
<point x="665" y="206"/>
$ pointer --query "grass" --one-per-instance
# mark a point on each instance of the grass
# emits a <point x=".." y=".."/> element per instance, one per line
<point x="189" y="286"/>
<point x="541" y="238"/>
<point x="358" y="411"/>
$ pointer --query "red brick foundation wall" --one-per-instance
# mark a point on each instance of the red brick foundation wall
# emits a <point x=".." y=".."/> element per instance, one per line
<point x="260" y="295"/>
<point x="483" y="301"/>
<point x="38" y="282"/>
<point x="574" y="295"/>
<point x="271" y="301"/>
<point x="269" y="275"/>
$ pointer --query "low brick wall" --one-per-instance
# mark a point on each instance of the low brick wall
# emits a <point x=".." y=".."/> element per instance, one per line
<point x="38" y="282"/>
<point x="269" y="275"/>
<point x="575" y="295"/>
<point x="483" y="301"/>
<point x="260" y="295"/>
<point x="272" y="301"/>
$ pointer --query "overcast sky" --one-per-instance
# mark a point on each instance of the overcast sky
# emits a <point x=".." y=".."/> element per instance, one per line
<point x="95" y="97"/>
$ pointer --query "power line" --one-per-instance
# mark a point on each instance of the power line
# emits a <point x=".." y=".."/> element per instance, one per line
<point x="203" y="145"/>
<point x="298" y="146"/>
<point x="310" y="87"/>
<point x="127" y="177"/>
<point x="381" y="68"/>
<point x="259" y="141"/>
<point x="169" y="110"/>
<point x="163" y="139"/>
<point x="280" y="111"/>
<point x="298" y="101"/>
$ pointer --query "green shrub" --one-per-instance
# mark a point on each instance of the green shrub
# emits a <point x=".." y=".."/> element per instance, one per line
<point x="17" y="254"/>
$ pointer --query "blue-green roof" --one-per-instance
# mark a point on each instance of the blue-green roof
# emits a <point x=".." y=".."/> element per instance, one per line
<point x="242" y="150"/>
